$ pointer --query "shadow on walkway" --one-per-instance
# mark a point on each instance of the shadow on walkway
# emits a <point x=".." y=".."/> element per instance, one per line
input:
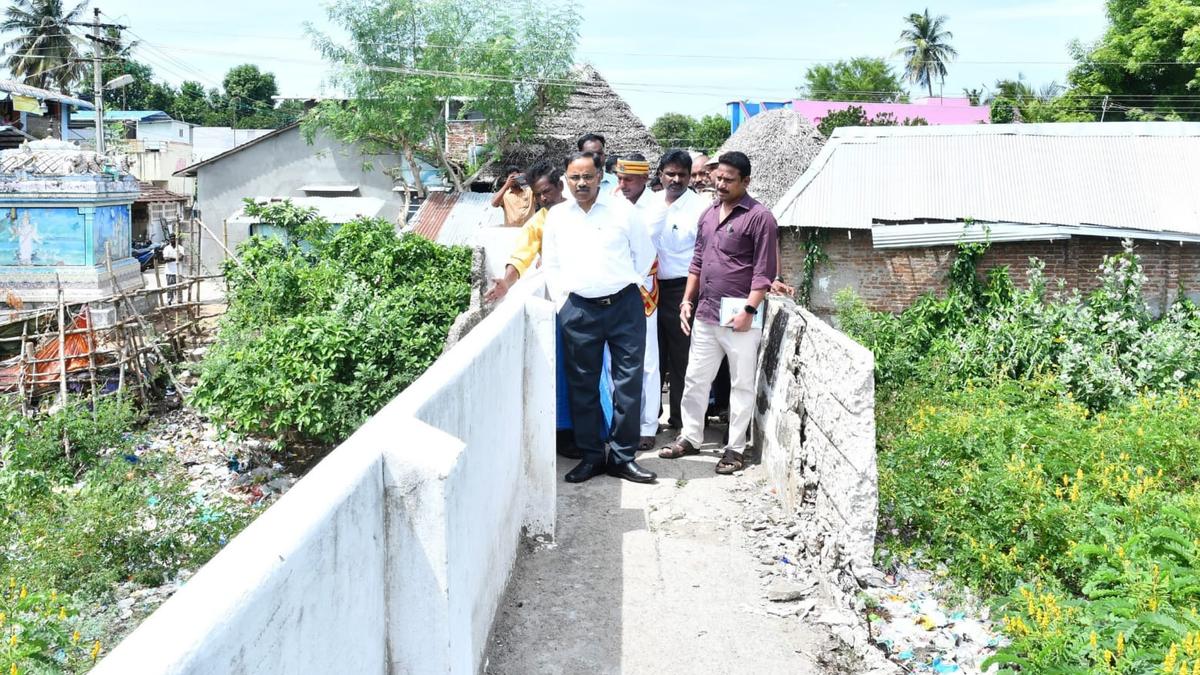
<point x="647" y="579"/>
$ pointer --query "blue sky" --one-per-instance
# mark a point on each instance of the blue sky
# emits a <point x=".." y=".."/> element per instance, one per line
<point x="688" y="57"/>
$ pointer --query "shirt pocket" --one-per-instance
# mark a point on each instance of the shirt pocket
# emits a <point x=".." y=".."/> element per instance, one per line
<point x="732" y="241"/>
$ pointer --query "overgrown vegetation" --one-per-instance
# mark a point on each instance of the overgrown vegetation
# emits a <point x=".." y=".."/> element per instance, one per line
<point x="73" y="525"/>
<point x="326" y="327"/>
<point x="1041" y="444"/>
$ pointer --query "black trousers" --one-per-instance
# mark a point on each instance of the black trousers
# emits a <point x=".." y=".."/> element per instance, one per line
<point x="618" y="321"/>
<point x="673" y="344"/>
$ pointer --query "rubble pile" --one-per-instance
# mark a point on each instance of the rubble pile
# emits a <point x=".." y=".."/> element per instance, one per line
<point x="889" y="623"/>
<point x="218" y="468"/>
<point x="780" y="144"/>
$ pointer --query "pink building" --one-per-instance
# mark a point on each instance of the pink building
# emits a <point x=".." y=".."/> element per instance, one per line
<point x="937" y="110"/>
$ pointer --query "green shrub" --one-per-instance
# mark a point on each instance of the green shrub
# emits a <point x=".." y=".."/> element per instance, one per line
<point x="1103" y="349"/>
<point x="1091" y="522"/>
<point x="324" y="329"/>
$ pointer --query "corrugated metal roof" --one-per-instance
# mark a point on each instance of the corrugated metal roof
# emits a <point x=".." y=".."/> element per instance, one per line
<point x="456" y="218"/>
<point x="1127" y="175"/>
<point x="124" y="115"/>
<point x="42" y="94"/>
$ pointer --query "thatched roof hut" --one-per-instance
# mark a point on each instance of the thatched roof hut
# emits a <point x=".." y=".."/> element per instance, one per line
<point x="780" y="144"/>
<point x="593" y="107"/>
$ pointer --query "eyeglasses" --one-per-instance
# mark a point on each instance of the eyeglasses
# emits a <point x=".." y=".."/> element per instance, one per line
<point x="587" y="177"/>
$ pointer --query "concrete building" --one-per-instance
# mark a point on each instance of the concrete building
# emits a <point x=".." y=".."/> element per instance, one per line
<point x="888" y="205"/>
<point x="212" y="141"/>
<point x="283" y="165"/>
<point x="156" y="144"/>
<point x="936" y="110"/>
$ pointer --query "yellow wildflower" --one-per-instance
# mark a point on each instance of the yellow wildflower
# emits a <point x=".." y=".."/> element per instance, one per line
<point x="13" y="640"/>
<point x="95" y="650"/>
<point x="62" y="613"/>
<point x="1168" y="664"/>
<point x="12" y="670"/>
<point x="1093" y="640"/>
<point x="1120" y="644"/>
<point x="75" y="638"/>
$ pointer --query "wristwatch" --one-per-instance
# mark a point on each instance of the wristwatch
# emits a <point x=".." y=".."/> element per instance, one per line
<point x="750" y="309"/>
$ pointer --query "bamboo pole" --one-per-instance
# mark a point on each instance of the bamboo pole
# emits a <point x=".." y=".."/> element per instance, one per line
<point x="62" y="359"/>
<point x="92" y="373"/>
<point x="21" y="368"/>
<point x="62" y="345"/>
<point x="223" y="246"/>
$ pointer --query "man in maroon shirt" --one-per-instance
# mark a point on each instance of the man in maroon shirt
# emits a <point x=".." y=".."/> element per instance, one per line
<point x="732" y="269"/>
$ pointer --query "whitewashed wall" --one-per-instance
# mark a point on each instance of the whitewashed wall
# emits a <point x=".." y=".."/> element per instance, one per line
<point x="392" y="554"/>
<point x="815" y="429"/>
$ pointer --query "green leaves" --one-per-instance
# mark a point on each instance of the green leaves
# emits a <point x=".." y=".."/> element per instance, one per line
<point x="331" y="326"/>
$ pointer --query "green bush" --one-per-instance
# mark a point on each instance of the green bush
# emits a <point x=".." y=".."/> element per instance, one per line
<point x="324" y="329"/>
<point x="1042" y="444"/>
<point x="1103" y="349"/>
<point x="1083" y="523"/>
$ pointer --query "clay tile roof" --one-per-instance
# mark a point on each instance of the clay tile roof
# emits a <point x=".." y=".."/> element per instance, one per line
<point x="154" y="193"/>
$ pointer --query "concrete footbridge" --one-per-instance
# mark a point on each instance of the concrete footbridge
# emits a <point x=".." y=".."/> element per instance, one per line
<point x="440" y="537"/>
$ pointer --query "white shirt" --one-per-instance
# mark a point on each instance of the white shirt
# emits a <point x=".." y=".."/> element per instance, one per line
<point x="597" y="252"/>
<point x="171" y="256"/>
<point x="673" y="228"/>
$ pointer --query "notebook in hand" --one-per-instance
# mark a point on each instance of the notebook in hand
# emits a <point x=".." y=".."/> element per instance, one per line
<point x="731" y="306"/>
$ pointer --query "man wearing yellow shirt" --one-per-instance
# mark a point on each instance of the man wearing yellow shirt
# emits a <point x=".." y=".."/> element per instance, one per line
<point x="545" y="180"/>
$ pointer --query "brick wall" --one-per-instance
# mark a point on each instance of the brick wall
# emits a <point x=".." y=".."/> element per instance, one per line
<point x="891" y="279"/>
<point x="461" y="136"/>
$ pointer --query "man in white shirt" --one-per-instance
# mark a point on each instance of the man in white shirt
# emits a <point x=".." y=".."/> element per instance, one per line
<point x="675" y="240"/>
<point x="170" y="254"/>
<point x="596" y="253"/>
<point x="595" y="144"/>
<point x="633" y="173"/>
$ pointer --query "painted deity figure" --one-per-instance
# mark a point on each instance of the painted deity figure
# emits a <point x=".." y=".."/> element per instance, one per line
<point x="26" y="235"/>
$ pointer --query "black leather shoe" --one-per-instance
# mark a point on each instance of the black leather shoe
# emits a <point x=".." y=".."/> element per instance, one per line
<point x="585" y="470"/>
<point x="632" y="472"/>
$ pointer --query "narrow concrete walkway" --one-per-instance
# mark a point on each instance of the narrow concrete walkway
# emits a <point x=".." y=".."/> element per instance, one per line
<point x="649" y="579"/>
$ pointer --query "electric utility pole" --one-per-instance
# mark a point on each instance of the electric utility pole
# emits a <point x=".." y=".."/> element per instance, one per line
<point x="98" y="80"/>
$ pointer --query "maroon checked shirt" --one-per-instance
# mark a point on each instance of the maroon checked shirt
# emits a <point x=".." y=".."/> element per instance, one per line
<point x="735" y="256"/>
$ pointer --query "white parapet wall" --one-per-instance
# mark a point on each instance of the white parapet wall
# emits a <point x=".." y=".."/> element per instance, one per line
<point x="815" y="430"/>
<point x="393" y="553"/>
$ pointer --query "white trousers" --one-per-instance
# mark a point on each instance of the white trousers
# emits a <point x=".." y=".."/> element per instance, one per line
<point x="651" y="379"/>
<point x="711" y="343"/>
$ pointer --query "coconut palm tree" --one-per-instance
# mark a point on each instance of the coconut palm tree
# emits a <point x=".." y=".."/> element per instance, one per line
<point x="926" y="48"/>
<point x="44" y="52"/>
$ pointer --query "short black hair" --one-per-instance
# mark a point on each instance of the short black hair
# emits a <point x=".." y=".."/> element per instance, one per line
<point x="678" y="157"/>
<point x="511" y="169"/>
<point x="610" y="162"/>
<point x="581" y="155"/>
<point x="634" y="156"/>
<point x="589" y="137"/>
<point x="737" y="160"/>
<point x="543" y="167"/>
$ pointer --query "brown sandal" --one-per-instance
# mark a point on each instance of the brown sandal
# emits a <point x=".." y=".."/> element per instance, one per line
<point x="680" y="448"/>
<point x="731" y="462"/>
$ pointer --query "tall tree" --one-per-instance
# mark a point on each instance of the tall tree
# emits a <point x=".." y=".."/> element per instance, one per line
<point x="859" y="79"/>
<point x="44" y="53"/>
<point x="673" y="130"/>
<point x="926" y="49"/>
<point x="406" y="58"/>
<point x="710" y="133"/>
<point x="1147" y="63"/>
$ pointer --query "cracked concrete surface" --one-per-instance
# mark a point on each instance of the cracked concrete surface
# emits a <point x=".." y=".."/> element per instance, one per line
<point x="650" y="579"/>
